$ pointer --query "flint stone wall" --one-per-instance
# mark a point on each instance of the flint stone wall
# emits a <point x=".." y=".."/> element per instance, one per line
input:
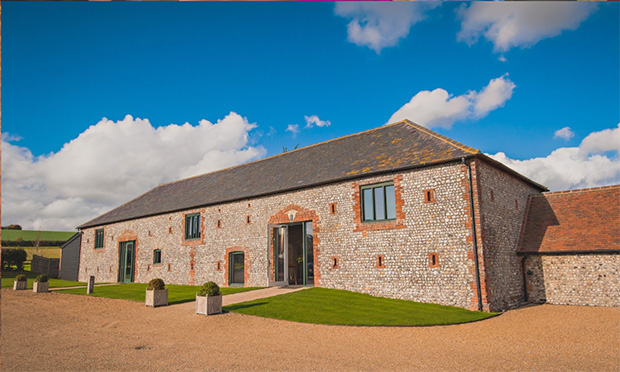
<point x="574" y="279"/>
<point x="437" y="227"/>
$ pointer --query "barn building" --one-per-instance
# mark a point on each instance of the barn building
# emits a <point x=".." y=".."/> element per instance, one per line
<point x="398" y="211"/>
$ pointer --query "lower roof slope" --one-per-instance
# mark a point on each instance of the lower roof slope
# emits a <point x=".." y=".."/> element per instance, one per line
<point x="584" y="220"/>
<point x="392" y="147"/>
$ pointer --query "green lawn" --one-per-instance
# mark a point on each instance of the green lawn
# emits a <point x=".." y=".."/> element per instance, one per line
<point x="136" y="292"/>
<point x="331" y="306"/>
<point x="30" y="235"/>
<point x="9" y="276"/>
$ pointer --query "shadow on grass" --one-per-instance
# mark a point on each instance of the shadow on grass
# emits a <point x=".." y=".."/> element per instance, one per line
<point x="176" y="302"/>
<point x="234" y="307"/>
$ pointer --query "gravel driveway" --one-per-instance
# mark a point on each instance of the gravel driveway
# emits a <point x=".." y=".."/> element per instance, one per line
<point x="57" y="331"/>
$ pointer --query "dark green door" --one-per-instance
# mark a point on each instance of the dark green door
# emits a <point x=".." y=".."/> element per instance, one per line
<point x="236" y="268"/>
<point x="126" y="260"/>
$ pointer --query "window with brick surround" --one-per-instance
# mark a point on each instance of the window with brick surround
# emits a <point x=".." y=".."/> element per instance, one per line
<point x="98" y="238"/>
<point x="380" y="261"/>
<point x="429" y="196"/>
<point x="219" y="224"/>
<point x="219" y="266"/>
<point x="335" y="263"/>
<point x="157" y="257"/>
<point x="378" y="202"/>
<point x="332" y="208"/>
<point x="247" y="219"/>
<point x="492" y="196"/>
<point x="433" y="260"/>
<point x="192" y="226"/>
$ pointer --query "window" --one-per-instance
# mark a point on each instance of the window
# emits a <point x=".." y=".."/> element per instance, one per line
<point x="332" y="208"/>
<point x="335" y="263"/>
<point x="99" y="238"/>
<point x="157" y="257"/>
<point x="433" y="260"/>
<point x="380" y="261"/>
<point x="429" y="196"/>
<point x="192" y="226"/>
<point x="378" y="202"/>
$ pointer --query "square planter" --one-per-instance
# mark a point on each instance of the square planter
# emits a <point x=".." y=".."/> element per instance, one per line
<point x="40" y="287"/>
<point x="19" y="285"/>
<point x="156" y="297"/>
<point x="208" y="305"/>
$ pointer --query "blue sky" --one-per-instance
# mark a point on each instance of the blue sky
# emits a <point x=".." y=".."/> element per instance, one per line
<point x="67" y="65"/>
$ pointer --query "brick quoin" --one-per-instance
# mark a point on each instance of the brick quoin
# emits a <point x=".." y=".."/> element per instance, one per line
<point x="302" y="215"/>
<point x="479" y="234"/>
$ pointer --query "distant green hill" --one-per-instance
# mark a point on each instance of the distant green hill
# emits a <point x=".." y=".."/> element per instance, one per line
<point x="31" y="235"/>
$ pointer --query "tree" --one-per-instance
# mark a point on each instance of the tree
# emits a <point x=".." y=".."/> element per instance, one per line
<point x="37" y="242"/>
<point x="12" y="227"/>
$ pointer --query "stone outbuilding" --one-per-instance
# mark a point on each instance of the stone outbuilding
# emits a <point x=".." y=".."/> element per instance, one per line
<point x="570" y="245"/>
<point x="398" y="211"/>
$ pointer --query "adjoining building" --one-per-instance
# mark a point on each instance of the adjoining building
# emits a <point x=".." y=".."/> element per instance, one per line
<point x="398" y="211"/>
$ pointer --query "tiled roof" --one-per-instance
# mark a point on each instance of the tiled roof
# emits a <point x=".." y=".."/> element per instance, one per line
<point x="586" y="220"/>
<point x="392" y="147"/>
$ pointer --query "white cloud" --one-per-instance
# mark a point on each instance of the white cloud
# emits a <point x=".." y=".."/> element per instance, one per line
<point x="378" y="26"/>
<point x="438" y="108"/>
<point x="520" y="24"/>
<point x="314" y="120"/>
<point x="293" y="128"/>
<point x="595" y="162"/>
<point x="502" y="58"/>
<point x="565" y="133"/>
<point x="110" y="163"/>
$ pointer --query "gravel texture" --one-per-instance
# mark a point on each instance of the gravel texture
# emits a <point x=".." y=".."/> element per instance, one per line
<point x="54" y="331"/>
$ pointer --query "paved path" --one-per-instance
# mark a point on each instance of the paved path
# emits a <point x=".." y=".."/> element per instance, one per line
<point x="235" y="298"/>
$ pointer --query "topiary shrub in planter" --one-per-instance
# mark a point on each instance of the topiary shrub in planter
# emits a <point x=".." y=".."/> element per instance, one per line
<point x="209" y="299"/>
<point x="21" y="282"/>
<point x="156" y="293"/>
<point x="40" y="284"/>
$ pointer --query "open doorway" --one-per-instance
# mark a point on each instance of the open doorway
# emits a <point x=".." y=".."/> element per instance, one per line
<point x="293" y="254"/>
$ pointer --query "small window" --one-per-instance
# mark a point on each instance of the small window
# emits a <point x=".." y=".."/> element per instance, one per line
<point x="492" y="196"/>
<point x="247" y="219"/>
<point x="219" y="265"/>
<point x="169" y="267"/>
<point x="433" y="260"/>
<point x="378" y="202"/>
<point x="380" y="261"/>
<point x="192" y="226"/>
<point x="334" y="262"/>
<point x="157" y="257"/>
<point x="429" y="196"/>
<point x="332" y="208"/>
<point x="516" y="204"/>
<point x="98" y="238"/>
<point x="219" y="224"/>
